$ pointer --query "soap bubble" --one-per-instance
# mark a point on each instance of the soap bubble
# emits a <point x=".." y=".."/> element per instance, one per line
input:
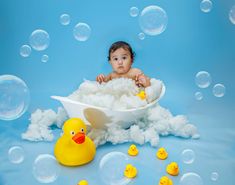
<point x="134" y="11"/>
<point x="16" y="154"/>
<point x="198" y="95"/>
<point x="44" y="58"/>
<point x="64" y="19"/>
<point x="39" y="40"/>
<point x="206" y="6"/>
<point x="141" y="36"/>
<point x="14" y="97"/>
<point x="153" y="20"/>
<point x="45" y="168"/>
<point x="232" y="14"/>
<point x="219" y="90"/>
<point x="203" y="79"/>
<point x="188" y="156"/>
<point x="111" y="168"/>
<point x="214" y="176"/>
<point x="191" y="179"/>
<point x="25" y="50"/>
<point x="82" y="31"/>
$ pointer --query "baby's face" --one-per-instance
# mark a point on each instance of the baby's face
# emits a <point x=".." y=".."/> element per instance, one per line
<point x="121" y="61"/>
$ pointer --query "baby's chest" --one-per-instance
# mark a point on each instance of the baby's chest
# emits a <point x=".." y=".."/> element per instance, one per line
<point x="123" y="76"/>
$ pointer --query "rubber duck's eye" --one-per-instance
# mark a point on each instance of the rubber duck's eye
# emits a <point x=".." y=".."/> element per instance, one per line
<point x="82" y="130"/>
<point x="72" y="132"/>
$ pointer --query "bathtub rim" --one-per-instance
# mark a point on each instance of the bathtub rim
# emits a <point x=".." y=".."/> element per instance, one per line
<point x="67" y="100"/>
<point x="151" y="104"/>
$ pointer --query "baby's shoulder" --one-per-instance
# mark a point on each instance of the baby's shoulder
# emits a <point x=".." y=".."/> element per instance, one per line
<point x="135" y="71"/>
<point x="113" y="75"/>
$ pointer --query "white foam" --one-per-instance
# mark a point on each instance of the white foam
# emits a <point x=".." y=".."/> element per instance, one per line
<point x="118" y="93"/>
<point x="41" y="121"/>
<point x="158" y="121"/>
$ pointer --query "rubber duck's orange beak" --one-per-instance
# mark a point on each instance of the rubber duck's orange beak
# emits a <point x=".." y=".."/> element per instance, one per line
<point x="79" y="138"/>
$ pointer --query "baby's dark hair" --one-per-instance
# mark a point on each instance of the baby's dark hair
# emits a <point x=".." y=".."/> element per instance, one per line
<point x="121" y="44"/>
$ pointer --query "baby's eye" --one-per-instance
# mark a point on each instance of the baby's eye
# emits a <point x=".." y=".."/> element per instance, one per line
<point x="124" y="58"/>
<point x="72" y="133"/>
<point x="115" y="59"/>
<point x="82" y="130"/>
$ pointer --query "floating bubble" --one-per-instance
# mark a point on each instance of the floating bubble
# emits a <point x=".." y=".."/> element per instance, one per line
<point x="16" y="154"/>
<point x="134" y="11"/>
<point x="203" y="79"/>
<point x="198" y="95"/>
<point x="214" y="176"/>
<point x="14" y="97"/>
<point x="45" y="168"/>
<point x="232" y="14"/>
<point x="141" y="36"/>
<point x="39" y="40"/>
<point x="64" y="19"/>
<point x="153" y="20"/>
<point x="206" y="6"/>
<point x="82" y="31"/>
<point x="111" y="168"/>
<point x="25" y="50"/>
<point x="44" y="58"/>
<point x="191" y="179"/>
<point x="219" y="90"/>
<point x="188" y="156"/>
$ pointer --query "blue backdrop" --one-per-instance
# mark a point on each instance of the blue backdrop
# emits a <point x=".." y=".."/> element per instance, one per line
<point x="193" y="41"/>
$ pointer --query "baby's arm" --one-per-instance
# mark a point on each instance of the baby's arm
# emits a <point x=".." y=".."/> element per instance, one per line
<point x="102" y="78"/>
<point x="141" y="79"/>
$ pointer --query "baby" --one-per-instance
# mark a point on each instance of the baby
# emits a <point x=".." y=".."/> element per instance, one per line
<point x="121" y="58"/>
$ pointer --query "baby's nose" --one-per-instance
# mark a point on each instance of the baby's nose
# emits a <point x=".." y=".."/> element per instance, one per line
<point x="120" y="61"/>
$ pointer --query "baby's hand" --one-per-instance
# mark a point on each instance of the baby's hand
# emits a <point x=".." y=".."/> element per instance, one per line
<point x="142" y="80"/>
<point x="100" y="78"/>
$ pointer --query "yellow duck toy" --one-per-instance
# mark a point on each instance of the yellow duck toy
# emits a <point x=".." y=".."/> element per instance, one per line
<point x="172" y="168"/>
<point x="83" y="182"/>
<point x="130" y="171"/>
<point x="142" y="95"/>
<point x="74" y="148"/>
<point x="162" y="154"/>
<point x="133" y="151"/>
<point x="165" y="181"/>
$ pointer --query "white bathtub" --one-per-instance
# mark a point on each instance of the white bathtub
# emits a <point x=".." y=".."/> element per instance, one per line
<point x="99" y="117"/>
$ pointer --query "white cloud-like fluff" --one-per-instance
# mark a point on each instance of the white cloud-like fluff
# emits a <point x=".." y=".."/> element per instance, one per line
<point x="41" y="121"/>
<point x="116" y="94"/>
<point x="158" y="122"/>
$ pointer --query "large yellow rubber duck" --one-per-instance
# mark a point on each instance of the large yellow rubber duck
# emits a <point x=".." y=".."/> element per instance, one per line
<point x="133" y="151"/>
<point x="172" y="169"/>
<point x="162" y="154"/>
<point x="74" y="147"/>
<point x="83" y="182"/>
<point x="165" y="181"/>
<point x="130" y="171"/>
<point x="142" y="95"/>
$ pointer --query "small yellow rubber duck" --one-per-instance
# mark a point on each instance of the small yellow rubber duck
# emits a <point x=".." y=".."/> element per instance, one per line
<point x="133" y="151"/>
<point x="172" y="169"/>
<point x="142" y="95"/>
<point x="165" y="181"/>
<point x="83" y="182"/>
<point x="130" y="171"/>
<point x="162" y="154"/>
<point x="74" y="148"/>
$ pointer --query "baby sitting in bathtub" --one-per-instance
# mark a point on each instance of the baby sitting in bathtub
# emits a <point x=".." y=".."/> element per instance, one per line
<point x="121" y="58"/>
<point x="123" y="89"/>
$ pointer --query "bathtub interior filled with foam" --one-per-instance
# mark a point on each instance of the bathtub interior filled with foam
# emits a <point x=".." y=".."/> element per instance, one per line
<point x="113" y="102"/>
